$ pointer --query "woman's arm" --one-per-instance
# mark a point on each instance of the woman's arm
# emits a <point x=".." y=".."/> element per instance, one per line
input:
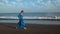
<point x="20" y="16"/>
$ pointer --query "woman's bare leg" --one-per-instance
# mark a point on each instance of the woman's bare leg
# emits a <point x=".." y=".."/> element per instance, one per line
<point x="17" y="28"/>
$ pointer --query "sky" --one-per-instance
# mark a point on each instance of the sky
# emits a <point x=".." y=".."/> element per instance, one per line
<point x="15" y="6"/>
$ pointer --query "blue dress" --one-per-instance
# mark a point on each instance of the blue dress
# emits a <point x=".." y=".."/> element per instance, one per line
<point x="21" y="23"/>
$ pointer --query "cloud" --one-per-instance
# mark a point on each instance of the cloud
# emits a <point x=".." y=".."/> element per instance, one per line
<point x="5" y="1"/>
<point x="38" y="1"/>
<point x="18" y="0"/>
<point x="37" y="5"/>
<point x="58" y="2"/>
<point x="49" y="5"/>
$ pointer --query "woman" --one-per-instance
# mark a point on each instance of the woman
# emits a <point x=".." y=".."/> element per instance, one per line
<point x="21" y="24"/>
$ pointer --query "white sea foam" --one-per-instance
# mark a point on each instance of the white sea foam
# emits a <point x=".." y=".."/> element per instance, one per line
<point x="11" y="17"/>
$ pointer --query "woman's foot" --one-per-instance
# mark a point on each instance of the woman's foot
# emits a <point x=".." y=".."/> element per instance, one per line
<point x="17" y="28"/>
<point x="25" y="28"/>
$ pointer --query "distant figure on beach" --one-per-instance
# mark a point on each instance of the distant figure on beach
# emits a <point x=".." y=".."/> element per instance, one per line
<point x="21" y="24"/>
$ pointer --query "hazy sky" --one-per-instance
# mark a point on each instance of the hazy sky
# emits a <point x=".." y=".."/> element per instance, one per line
<point x="14" y="6"/>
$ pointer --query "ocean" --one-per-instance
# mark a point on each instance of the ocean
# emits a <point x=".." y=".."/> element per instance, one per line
<point x="31" y="15"/>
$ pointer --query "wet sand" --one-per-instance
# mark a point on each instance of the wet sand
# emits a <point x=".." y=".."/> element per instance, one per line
<point x="9" y="28"/>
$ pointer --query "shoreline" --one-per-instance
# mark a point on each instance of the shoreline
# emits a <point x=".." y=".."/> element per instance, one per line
<point x="10" y="28"/>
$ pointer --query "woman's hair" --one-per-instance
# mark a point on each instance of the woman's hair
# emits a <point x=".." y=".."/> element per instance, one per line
<point x="21" y="11"/>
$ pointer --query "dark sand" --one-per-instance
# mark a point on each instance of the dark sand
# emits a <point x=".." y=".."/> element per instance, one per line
<point x="9" y="28"/>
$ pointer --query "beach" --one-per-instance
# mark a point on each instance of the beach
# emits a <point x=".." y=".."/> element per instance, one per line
<point x="10" y="28"/>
